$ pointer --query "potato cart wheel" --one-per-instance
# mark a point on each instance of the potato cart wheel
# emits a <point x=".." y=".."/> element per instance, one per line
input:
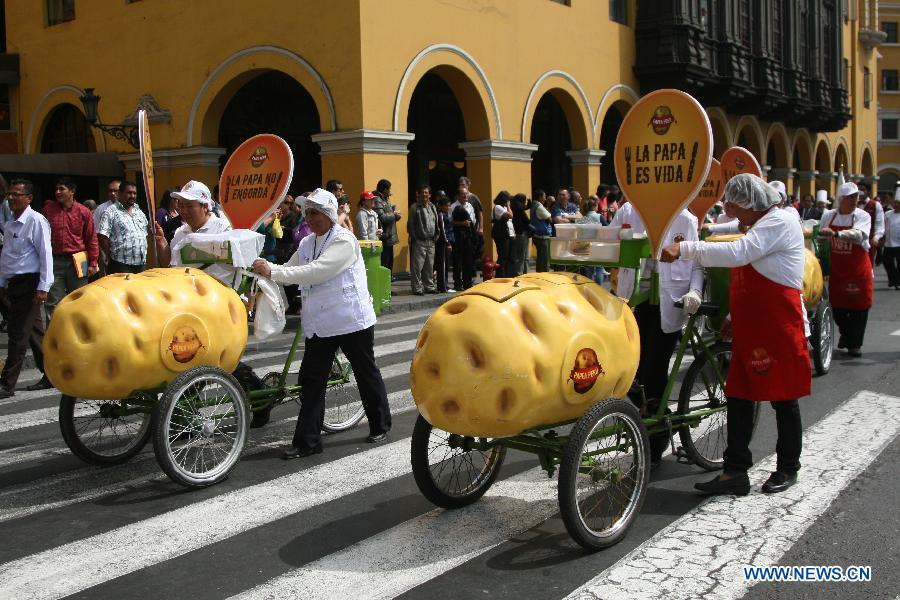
<point x="105" y="432"/>
<point x="201" y="426"/>
<point x="604" y="474"/>
<point x="704" y="441"/>
<point x="343" y="406"/>
<point x="822" y="336"/>
<point x="261" y="417"/>
<point x="449" y="471"/>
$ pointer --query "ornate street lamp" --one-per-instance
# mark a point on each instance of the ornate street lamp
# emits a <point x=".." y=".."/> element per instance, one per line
<point x="124" y="132"/>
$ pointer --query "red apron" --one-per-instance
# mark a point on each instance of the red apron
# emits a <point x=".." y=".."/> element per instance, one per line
<point x="769" y="355"/>
<point x="850" y="279"/>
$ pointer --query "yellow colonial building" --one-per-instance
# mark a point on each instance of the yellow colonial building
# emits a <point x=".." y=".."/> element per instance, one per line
<point x="889" y="97"/>
<point x="515" y="94"/>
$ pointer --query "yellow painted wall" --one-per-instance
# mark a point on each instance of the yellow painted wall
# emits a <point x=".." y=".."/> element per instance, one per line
<point x="889" y="102"/>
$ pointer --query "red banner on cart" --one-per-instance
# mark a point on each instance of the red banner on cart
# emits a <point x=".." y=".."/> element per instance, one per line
<point x="662" y="157"/>
<point x="146" y="152"/>
<point x="738" y="160"/>
<point x="255" y="179"/>
<point x="711" y="192"/>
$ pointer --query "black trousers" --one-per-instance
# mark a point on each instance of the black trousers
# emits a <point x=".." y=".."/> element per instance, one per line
<point x="462" y="261"/>
<point x="657" y="348"/>
<point x="114" y="266"/>
<point x="851" y="325"/>
<point x="503" y="245"/>
<point x="440" y="265"/>
<point x="25" y="326"/>
<point x="318" y="356"/>
<point x="387" y="256"/>
<point x="738" y="458"/>
<point x="891" y="259"/>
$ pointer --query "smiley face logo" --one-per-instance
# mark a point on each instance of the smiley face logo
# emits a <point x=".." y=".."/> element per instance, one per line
<point x="586" y="370"/>
<point x="185" y="344"/>
<point x="259" y="156"/>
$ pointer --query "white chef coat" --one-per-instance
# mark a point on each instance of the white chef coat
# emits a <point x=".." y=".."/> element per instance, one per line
<point x="224" y="273"/>
<point x="892" y="229"/>
<point x="675" y="279"/>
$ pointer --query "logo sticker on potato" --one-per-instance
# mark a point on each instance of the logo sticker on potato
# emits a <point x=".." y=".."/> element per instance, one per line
<point x="183" y="343"/>
<point x="585" y="371"/>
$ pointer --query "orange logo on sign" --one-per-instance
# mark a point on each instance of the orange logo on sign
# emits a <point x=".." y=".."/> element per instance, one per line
<point x="662" y="120"/>
<point x="586" y="370"/>
<point x="258" y="157"/>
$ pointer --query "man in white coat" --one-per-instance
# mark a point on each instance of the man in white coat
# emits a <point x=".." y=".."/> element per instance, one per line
<point x="660" y="324"/>
<point x="337" y="313"/>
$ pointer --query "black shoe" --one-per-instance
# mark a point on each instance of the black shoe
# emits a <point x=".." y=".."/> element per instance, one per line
<point x="739" y="485"/>
<point x="43" y="384"/>
<point x="5" y="392"/>
<point x="419" y="293"/>
<point x="841" y="343"/>
<point x="292" y="452"/>
<point x="431" y="291"/>
<point x="779" y="481"/>
<point x="376" y="438"/>
<point x="855" y="352"/>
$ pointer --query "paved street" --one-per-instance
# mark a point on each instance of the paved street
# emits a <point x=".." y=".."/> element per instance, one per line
<point x="351" y="522"/>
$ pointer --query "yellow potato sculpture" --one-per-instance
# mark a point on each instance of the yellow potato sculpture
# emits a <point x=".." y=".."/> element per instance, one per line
<point x="125" y="333"/>
<point x="512" y="354"/>
<point x="813" y="284"/>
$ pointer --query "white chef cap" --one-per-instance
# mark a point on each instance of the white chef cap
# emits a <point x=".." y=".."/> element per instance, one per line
<point x="324" y="202"/>
<point x="897" y="194"/>
<point x="847" y="189"/>
<point x="751" y="192"/>
<point x="779" y="187"/>
<point x="822" y="196"/>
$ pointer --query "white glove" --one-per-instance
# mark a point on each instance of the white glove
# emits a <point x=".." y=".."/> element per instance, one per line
<point x="691" y="302"/>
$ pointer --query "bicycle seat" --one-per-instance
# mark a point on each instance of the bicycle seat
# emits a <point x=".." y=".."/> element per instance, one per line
<point x="706" y="309"/>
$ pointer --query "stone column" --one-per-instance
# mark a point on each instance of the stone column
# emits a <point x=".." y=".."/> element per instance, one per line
<point x="586" y="169"/>
<point x="806" y="181"/>
<point x="784" y="175"/>
<point x="360" y="158"/>
<point x="495" y="165"/>
<point x="826" y="181"/>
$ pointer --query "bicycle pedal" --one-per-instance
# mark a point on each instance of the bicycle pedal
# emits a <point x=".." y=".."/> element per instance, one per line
<point x="682" y="456"/>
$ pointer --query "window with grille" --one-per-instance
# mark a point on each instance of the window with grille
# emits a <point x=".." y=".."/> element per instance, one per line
<point x="60" y="11"/>
<point x="867" y="87"/>
<point x="777" y="30"/>
<point x="889" y="129"/>
<point x="566" y="2"/>
<point x="890" y="28"/>
<point x="618" y="11"/>
<point x="890" y="82"/>
<point x="745" y="30"/>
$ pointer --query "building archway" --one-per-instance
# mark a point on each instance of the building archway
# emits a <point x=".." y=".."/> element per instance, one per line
<point x="66" y="130"/>
<point x="274" y="102"/>
<point x="866" y="166"/>
<point x="842" y="160"/>
<point x="721" y="131"/>
<point x="778" y="154"/>
<point x="888" y="178"/>
<point x="749" y="136"/>
<point x="609" y="131"/>
<point x="437" y="120"/>
<point x="551" y="131"/>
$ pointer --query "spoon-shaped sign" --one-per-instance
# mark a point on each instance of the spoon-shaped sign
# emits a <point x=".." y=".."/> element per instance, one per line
<point x="737" y="160"/>
<point x="662" y="157"/>
<point x="710" y="193"/>
<point x="255" y="179"/>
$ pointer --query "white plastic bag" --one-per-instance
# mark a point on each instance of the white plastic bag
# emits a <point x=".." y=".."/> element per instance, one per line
<point x="270" y="312"/>
<point x="245" y="245"/>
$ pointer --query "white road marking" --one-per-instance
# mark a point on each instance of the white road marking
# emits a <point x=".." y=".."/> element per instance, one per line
<point x="700" y="555"/>
<point x="89" y="483"/>
<point x="895" y="332"/>
<point x="380" y="350"/>
<point x="54" y="573"/>
<point x="422" y="548"/>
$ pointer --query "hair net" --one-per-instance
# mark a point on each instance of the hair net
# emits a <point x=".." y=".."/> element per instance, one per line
<point x="779" y="187"/>
<point x="324" y="202"/>
<point x="751" y="192"/>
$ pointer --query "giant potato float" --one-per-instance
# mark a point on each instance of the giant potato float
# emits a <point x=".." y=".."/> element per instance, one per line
<point x="128" y="332"/>
<point x="510" y="355"/>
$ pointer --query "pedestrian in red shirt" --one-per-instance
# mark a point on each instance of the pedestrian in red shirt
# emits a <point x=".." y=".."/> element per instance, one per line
<point x="71" y="231"/>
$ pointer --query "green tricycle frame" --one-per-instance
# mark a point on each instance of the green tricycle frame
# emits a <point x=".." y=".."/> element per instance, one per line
<point x="604" y="456"/>
<point x="199" y="421"/>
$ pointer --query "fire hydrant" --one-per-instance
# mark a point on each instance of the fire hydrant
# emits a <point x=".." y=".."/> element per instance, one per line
<point x="488" y="268"/>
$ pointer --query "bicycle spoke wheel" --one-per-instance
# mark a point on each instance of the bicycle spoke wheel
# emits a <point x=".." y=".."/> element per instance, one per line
<point x="105" y="432"/>
<point x="343" y="406"/>
<point x="202" y="422"/>
<point x="448" y="469"/>
<point x="703" y="393"/>
<point x="822" y="337"/>
<point x="604" y="474"/>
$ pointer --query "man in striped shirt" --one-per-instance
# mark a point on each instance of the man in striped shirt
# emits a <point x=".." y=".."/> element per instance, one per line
<point x="123" y="233"/>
